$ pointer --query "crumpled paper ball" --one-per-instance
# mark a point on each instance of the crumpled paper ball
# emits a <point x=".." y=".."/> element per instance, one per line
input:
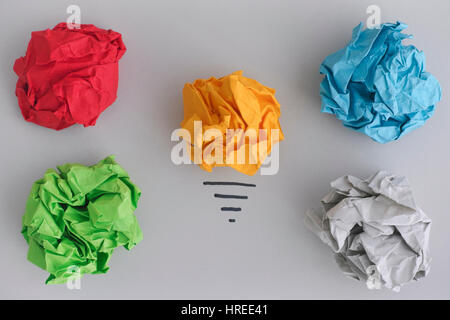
<point x="68" y="76"/>
<point x="378" y="86"/>
<point x="233" y="102"/>
<point x="76" y="217"/>
<point x="377" y="232"/>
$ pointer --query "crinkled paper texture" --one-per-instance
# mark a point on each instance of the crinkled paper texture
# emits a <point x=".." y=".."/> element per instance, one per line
<point x="378" y="86"/>
<point x="374" y="223"/>
<point x="77" y="216"/>
<point x="232" y="102"/>
<point x="68" y="76"/>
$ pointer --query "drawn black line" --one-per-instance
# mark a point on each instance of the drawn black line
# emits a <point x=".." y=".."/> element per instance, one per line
<point x="223" y="183"/>
<point x="229" y="196"/>
<point x="235" y="209"/>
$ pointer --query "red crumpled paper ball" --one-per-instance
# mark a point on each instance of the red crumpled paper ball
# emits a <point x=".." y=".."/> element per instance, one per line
<point x="68" y="76"/>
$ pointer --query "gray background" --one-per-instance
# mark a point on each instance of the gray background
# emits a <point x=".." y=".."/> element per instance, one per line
<point x="189" y="249"/>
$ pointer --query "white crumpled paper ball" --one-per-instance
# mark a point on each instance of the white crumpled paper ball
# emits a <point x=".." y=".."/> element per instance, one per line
<point x="375" y="229"/>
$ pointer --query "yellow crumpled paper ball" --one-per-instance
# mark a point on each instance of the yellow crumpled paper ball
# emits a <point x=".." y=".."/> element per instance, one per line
<point x="232" y="110"/>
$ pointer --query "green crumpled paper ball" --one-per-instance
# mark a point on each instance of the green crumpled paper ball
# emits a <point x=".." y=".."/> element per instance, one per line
<point x="76" y="217"/>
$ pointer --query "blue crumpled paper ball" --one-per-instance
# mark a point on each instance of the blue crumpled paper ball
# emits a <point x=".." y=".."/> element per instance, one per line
<point x="378" y="86"/>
